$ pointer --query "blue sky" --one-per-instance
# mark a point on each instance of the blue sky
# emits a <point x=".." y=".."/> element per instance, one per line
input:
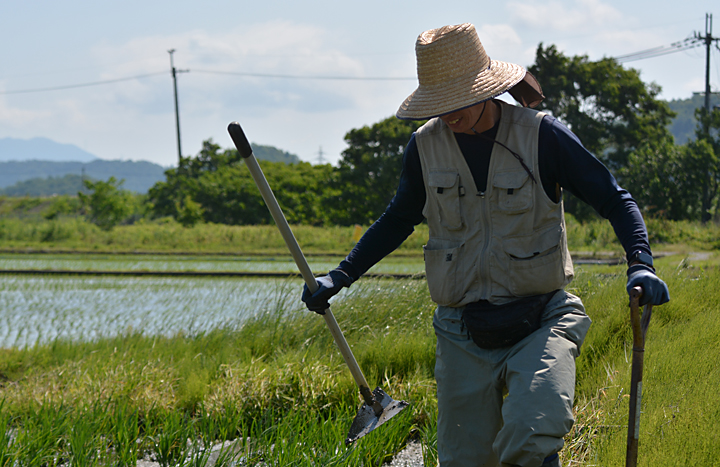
<point x="47" y="44"/>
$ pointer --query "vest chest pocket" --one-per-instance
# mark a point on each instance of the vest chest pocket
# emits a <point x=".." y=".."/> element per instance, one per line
<point x="513" y="191"/>
<point x="444" y="189"/>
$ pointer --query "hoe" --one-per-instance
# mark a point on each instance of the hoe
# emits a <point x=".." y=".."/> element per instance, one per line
<point x="378" y="407"/>
<point x="639" y="327"/>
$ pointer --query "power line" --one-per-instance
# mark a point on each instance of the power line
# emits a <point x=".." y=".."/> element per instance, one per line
<point x="679" y="46"/>
<point x="255" y="75"/>
<point x="338" y="78"/>
<point x="72" y="86"/>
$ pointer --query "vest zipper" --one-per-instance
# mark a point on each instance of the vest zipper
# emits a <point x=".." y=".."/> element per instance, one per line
<point x="485" y="222"/>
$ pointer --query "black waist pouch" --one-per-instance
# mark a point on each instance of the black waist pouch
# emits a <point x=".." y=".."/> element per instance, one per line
<point x="495" y="326"/>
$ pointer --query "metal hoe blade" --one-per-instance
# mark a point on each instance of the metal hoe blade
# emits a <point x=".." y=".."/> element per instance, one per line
<point x="366" y="420"/>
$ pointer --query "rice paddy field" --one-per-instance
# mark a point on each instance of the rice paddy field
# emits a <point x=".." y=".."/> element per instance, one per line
<point x="192" y="263"/>
<point x="199" y="371"/>
<point x="37" y="308"/>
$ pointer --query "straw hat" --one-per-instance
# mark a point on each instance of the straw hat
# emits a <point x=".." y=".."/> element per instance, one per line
<point x="455" y="72"/>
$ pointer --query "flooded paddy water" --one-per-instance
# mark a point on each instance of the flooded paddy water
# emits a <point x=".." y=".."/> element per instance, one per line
<point x="39" y="308"/>
<point x="196" y="263"/>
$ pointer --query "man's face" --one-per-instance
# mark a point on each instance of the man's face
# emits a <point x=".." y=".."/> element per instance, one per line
<point x="461" y="121"/>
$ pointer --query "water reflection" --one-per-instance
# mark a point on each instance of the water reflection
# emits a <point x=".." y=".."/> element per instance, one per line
<point x="39" y="309"/>
<point x="401" y="265"/>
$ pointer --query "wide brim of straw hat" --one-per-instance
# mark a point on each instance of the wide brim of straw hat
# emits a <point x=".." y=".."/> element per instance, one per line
<point x="454" y="72"/>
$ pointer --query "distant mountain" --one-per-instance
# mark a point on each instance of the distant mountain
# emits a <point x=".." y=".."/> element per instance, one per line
<point x="139" y="175"/>
<point x="42" y="167"/>
<point x="12" y="149"/>
<point x="69" y="184"/>
<point x="683" y="125"/>
<point x="273" y="154"/>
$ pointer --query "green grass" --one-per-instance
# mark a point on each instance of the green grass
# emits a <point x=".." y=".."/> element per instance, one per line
<point x="271" y="380"/>
<point x="681" y="406"/>
<point x="279" y="388"/>
<point x="167" y="236"/>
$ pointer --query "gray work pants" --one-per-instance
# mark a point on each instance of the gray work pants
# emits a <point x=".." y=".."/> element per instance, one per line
<point x="476" y="425"/>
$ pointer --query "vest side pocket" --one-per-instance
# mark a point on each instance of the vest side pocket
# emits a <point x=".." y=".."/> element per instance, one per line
<point x="536" y="262"/>
<point x="441" y="269"/>
<point x="444" y="188"/>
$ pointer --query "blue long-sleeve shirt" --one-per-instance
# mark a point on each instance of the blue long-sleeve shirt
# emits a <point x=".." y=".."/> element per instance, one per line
<point x="563" y="162"/>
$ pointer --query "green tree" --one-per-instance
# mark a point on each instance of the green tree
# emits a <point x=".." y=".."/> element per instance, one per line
<point x="62" y="205"/>
<point x="107" y="205"/>
<point x="657" y="179"/>
<point x="369" y="171"/>
<point x="182" y="184"/>
<point x="707" y="148"/>
<point x="678" y="182"/>
<point x="608" y="107"/>
<point x="189" y="212"/>
<point x="217" y="187"/>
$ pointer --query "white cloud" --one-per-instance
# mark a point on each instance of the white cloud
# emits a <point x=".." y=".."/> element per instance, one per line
<point x="502" y="42"/>
<point x="276" y="47"/>
<point x="498" y="38"/>
<point x="15" y="118"/>
<point x="565" y="16"/>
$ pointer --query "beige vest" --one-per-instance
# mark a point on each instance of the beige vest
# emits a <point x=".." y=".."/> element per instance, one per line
<point x="505" y="243"/>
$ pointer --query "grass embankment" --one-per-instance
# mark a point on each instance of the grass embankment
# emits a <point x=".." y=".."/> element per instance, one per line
<point x="281" y="386"/>
<point x="75" y="234"/>
<point x="170" y="237"/>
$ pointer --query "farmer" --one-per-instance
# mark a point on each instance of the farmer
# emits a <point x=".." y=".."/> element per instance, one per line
<point x="488" y="178"/>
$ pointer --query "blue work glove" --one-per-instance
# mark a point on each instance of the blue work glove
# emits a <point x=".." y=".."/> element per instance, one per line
<point x="329" y="286"/>
<point x="655" y="291"/>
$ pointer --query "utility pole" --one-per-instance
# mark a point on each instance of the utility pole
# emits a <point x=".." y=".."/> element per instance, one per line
<point x="708" y="39"/>
<point x="177" y="112"/>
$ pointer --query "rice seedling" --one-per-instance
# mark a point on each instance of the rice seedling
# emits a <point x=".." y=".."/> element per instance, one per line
<point x="36" y="310"/>
<point x="84" y="443"/>
<point x="171" y="445"/>
<point x="125" y="432"/>
<point x="41" y="436"/>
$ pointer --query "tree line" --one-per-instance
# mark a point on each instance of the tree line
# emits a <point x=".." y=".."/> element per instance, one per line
<point x="617" y="116"/>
